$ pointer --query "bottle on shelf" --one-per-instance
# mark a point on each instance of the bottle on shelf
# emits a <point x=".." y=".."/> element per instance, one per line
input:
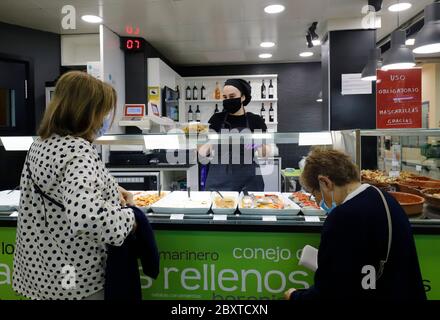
<point x="190" y="115"/>
<point x="216" y="109"/>
<point x="198" y="114"/>
<point x="203" y="92"/>
<point x="195" y="92"/>
<point x="217" y="93"/>
<point x="271" y="90"/>
<point x="263" y="91"/>
<point x="178" y="92"/>
<point x="262" y="112"/>
<point x="188" y="92"/>
<point x="271" y="113"/>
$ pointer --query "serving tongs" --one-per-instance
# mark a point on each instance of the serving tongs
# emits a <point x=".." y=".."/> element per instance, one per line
<point x="219" y="194"/>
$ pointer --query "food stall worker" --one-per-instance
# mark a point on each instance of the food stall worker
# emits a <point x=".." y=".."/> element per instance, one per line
<point x="230" y="176"/>
<point x="70" y="206"/>
<point x="355" y="237"/>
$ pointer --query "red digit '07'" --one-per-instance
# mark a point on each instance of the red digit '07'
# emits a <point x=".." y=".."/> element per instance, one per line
<point x="129" y="44"/>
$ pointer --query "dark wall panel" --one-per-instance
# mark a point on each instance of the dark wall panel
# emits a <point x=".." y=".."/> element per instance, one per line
<point x="299" y="85"/>
<point x="349" y="50"/>
<point x="43" y="48"/>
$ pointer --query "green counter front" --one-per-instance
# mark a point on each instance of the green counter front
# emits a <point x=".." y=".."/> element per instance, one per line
<point x="232" y="261"/>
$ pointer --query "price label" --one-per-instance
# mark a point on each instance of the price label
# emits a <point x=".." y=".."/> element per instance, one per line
<point x="177" y="216"/>
<point x="311" y="219"/>
<point x="394" y="174"/>
<point x="419" y="168"/>
<point x="14" y="214"/>
<point x="220" y="217"/>
<point x="270" y="218"/>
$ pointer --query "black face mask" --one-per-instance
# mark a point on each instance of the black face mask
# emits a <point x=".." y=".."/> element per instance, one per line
<point x="232" y="105"/>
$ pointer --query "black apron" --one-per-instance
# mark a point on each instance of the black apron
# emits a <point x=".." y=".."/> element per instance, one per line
<point x="234" y="177"/>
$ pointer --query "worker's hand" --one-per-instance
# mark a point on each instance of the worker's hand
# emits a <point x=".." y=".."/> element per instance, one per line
<point x="288" y="293"/>
<point x="125" y="197"/>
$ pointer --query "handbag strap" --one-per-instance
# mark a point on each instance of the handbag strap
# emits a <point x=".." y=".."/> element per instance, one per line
<point x="390" y="233"/>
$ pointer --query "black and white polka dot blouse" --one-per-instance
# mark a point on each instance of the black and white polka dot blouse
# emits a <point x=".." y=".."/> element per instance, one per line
<point x="60" y="252"/>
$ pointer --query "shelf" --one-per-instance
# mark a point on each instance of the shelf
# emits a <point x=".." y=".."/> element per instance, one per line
<point x="220" y="101"/>
<point x="400" y="132"/>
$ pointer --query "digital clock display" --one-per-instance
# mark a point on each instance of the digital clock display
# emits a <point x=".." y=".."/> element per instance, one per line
<point x="132" y="44"/>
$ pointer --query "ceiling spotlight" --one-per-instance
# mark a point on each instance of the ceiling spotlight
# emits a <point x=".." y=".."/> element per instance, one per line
<point x="428" y="39"/>
<point x="376" y="4"/>
<point x="306" y="54"/>
<point x="267" y="44"/>
<point x="400" y="7"/>
<point x="265" y="56"/>
<point x="312" y="31"/>
<point x="274" y="8"/>
<point x="91" y="18"/>
<point x="309" y="40"/>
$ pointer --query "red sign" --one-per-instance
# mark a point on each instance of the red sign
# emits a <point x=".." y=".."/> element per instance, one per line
<point x="399" y="99"/>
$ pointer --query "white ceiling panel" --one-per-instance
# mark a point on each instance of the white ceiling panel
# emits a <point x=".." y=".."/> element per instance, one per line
<point x="205" y="31"/>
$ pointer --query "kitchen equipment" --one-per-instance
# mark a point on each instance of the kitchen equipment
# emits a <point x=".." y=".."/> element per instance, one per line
<point x="137" y="179"/>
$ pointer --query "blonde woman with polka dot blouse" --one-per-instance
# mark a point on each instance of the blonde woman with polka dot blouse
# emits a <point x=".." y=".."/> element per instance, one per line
<point x="70" y="206"/>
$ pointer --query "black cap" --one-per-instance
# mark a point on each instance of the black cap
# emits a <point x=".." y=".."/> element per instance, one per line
<point x="243" y="86"/>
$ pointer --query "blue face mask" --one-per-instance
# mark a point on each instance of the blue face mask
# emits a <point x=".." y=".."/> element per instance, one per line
<point x="105" y="126"/>
<point x="324" y="206"/>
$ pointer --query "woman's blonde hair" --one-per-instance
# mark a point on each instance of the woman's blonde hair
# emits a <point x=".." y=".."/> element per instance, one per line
<point x="335" y="165"/>
<point x="78" y="107"/>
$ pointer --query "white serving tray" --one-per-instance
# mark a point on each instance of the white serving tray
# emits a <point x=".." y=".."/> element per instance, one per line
<point x="310" y="211"/>
<point x="290" y="207"/>
<point x="177" y="202"/>
<point x="9" y="200"/>
<point x="231" y="194"/>
<point x="146" y="208"/>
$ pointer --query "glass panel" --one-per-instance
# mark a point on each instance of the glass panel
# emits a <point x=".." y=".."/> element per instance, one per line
<point x="7" y="107"/>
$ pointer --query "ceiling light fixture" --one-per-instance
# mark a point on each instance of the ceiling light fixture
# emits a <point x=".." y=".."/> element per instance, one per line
<point x="274" y="8"/>
<point x="267" y="44"/>
<point x="319" y="97"/>
<point x="309" y="41"/>
<point x="399" y="56"/>
<point x="374" y="63"/>
<point x="306" y="54"/>
<point x="398" y="7"/>
<point x="91" y="18"/>
<point x="428" y="39"/>
<point x="376" y="4"/>
<point x="265" y="56"/>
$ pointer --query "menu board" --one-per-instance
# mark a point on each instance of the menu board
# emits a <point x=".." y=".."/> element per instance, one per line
<point x="399" y="99"/>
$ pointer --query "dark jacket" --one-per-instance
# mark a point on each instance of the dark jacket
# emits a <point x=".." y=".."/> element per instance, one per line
<point x="355" y="234"/>
<point x="122" y="278"/>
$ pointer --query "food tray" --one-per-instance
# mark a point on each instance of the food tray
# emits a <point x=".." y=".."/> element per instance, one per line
<point x="307" y="211"/>
<point x="290" y="207"/>
<point x="226" y="194"/>
<point x="430" y="200"/>
<point x="411" y="203"/>
<point x="147" y="193"/>
<point x="177" y="202"/>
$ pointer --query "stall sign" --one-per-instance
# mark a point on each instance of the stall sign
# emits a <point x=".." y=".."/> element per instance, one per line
<point x="230" y="265"/>
<point x="399" y="99"/>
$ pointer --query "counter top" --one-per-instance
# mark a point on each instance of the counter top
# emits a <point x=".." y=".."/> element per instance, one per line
<point x="152" y="166"/>
<point x="425" y="224"/>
